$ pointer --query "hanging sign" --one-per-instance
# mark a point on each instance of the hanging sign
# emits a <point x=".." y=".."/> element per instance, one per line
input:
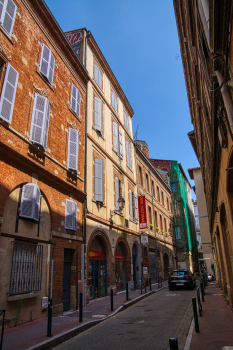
<point x="119" y="257"/>
<point x="93" y="254"/>
<point x="142" y="212"/>
<point x="144" y="239"/>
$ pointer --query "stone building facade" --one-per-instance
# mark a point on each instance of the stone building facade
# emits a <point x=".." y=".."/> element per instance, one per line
<point x="206" y="42"/>
<point x="112" y="241"/>
<point x="159" y="254"/>
<point x="42" y="128"/>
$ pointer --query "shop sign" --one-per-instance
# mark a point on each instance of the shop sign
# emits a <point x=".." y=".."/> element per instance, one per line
<point x="144" y="239"/>
<point x="142" y="212"/>
<point x="119" y="257"/>
<point x="93" y="254"/>
<point x="145" y="270"/>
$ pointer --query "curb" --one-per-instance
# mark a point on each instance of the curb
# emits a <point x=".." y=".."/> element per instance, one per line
<point x="62" y="337"/>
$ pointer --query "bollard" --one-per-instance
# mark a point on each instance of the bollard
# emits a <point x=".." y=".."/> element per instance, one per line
<point x="127" y="291"/>
<point x="195" y="315"/>
<point x="150" y="283"/>
<point x="49" y="324"/>
<point x="202" y="291"/>
<point x="199" y="302"/>
<point x="111" y="299"/>
<point x="3" y="311"/>
<point x="80" y="307"/>
<point x="173" y="342"/>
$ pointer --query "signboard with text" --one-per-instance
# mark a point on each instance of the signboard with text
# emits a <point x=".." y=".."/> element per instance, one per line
<point x="142" y="212"/>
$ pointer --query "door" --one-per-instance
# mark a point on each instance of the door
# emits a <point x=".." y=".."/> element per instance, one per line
<point x="66" y="286"/>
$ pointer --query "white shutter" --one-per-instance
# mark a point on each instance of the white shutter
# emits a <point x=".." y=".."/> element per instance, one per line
<point x="130" y="205"/>
<point x="73" y="102"/>
<point x="44" y="61"/>
<point x="128" y="152"/>
<point x="114" y="101"/>
<point x="120" y="144"/>
<point x="126" y="121"/>
<point x="96" y="74"/>
<point x="38" y="121"/>
<point x="115" y="136"/>
<point x="30" y="202"/>
<point x="46" y="124"/>
<point x="9" y="14"/>
<point x="8" y="93"/>
<point x="51" y="68"/>
<point x="75" y="216"/>
<point x="100" y="79"/>
<point x="136" y="207"/>
<point x="99" y="180"/>
<point x="2" y="9"/>
<point x="78" y="103"/>
<point x="73" y="146"/>
<point x="117" y="193"/>
<point x="70" y="214"/>
<point x="98" y="114"/>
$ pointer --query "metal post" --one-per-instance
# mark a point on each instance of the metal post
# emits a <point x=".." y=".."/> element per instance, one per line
<point x="80" y="307"/>
<point x="202" y="291"/>
<point x="49" y="325"/>
<point x="111" y="299"/>
<point x="3" y="311"/>
<point x="195" y="314"/>
<point x="173" y="342"/>
<point x="150" y="283"/>
<point x="127" y="291"/>
<point x="141" y="286"/>
<point x="145" y="287"/>
<point x="199" y="302"/>
<point x="77" y="281"/>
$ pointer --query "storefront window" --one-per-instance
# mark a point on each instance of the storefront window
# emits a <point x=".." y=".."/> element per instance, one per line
<point x="120" y="267"/>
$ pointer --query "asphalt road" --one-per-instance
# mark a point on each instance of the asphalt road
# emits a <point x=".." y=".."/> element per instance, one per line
<point x="147" y="325"/>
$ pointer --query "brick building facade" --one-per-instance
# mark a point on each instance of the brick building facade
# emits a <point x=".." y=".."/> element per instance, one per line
<point x="42" y="127"/>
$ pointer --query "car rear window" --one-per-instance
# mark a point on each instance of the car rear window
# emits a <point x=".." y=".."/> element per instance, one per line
<point x="179" y="273"/>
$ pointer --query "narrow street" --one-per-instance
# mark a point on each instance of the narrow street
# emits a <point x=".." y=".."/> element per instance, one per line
<point x="147" y="325"/>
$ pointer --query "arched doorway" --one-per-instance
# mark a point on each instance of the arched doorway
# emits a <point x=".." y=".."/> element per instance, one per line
<point x="165" y="266"/>
<point x="97" y="272"/>
<point x="120" y="267"/>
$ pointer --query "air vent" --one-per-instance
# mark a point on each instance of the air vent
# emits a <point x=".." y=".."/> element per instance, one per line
<point x="126" y="223"/>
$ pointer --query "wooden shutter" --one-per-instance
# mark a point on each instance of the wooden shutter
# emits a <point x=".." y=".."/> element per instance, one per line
<point x="120" y="144"/>
<point x="9" y="13"/>
<point x="100" y="79"/>
<point x="44" y="61"/>
<point x="2" y="10"/>
<point x="38" y="122"/>
<point x="114" y="101"/>
<point x="51" y="68"/>
<point x="136" y="207"/>
<point x="99" y="180"/>
<point x="8" y="93"/>
<point x="115" y="136"/>
<point x="117" y="193"/>
<point x="98" y="114"/>
<point x="73" y="146"/>
<point x="128" y="152"/>
<point x="70" y="214"/>
<point x="78" y="103"/>
<point x="131" y="205"/>
<point x="126" y="121"/>
<point x="46" y="124"/>
<point x="75" y="100"/>
<point x="30" y="202"/>
<point x="96" y="74"/>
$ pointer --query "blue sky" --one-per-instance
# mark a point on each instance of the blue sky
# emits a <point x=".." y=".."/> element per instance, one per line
<point x="140" y="42"/>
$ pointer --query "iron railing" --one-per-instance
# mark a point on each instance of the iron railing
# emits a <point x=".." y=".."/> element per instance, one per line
<point x="26" y="268"/>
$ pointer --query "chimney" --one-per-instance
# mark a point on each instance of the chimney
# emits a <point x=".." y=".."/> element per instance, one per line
<point x="143" y="147"/>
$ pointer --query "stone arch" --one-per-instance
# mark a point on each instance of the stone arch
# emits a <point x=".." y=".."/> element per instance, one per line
<point x="128" y="255"/>
<point x="227" y="248"/>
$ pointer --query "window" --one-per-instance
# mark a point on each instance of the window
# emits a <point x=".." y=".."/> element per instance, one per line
<point x="136" y="207"/>
<point x="8" y="93"/>
<point x="121" y="144"/>
<point x="173" y="188"/>
<point x="128" y="154"/>
<point x="197" y="223"/>
<point x="156" y="219"/>
<point x="30" y="202"/>
<point x="158" y="195"/>
<point x="114" y="101"/>
<point x="98" y="76"/>
<point x="150" y="216"/>
<point x="162" y="198"/>
<point x="178" y="233"/>
<point x="131" y="205"/>
<point x="176" y="209"/>
<point x="98" y="114"/>
<point x="99" y="180"/>
<point x="73" y="145"/>
<point x="115" y="136"/>
<point x="26" y="268"/>
<point x="161" y="222"/>
<point x="75" y="100"/>
<point x="70" y="215"/>
<point x="167" y="205"/>
<point x="165" y="225"/>
<point x="126" y="121"/>
<point x="153" y="189"/>
<point x="40" y="120"/>
<point x="8" y="12"/>
<point x="147" y="183"/>
<point x="117" y="193"/>
<point x="47" y="63"/>
<point x="140" y="176"/>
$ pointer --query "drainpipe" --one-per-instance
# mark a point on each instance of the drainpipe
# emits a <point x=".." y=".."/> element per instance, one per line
<point x="226" y="98"/>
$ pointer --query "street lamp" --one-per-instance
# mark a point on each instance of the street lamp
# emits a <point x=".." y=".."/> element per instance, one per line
<point x="121" y="204"/>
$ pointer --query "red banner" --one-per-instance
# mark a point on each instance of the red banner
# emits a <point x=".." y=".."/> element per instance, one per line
<point x="119" y="257"/>
<point x="93" y="254"/>
<point x="142" y="212"/>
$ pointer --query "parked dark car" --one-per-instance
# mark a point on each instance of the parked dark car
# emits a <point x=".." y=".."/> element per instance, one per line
<point x="181" y="278"/>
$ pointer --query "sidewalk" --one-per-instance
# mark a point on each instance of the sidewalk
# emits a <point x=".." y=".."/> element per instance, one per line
<point x="32" y="335"/>
<point x="216" y="323"/>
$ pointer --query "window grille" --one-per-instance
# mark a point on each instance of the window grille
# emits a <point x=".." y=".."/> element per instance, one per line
<point x="26" y="268"/>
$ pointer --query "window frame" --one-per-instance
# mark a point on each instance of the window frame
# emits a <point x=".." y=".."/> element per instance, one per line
<point x="2" y="18"/>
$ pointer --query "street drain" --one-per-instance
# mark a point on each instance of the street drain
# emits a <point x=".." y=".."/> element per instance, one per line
<point x="99" y="316"/>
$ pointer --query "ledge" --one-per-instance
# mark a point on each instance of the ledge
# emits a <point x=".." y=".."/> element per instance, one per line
<point x="22" y="296"/>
